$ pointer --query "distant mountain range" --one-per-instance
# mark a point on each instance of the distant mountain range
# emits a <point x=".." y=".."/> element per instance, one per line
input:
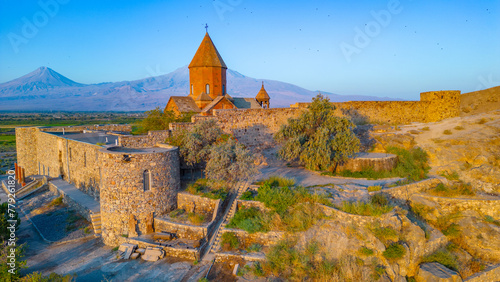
<point x="46" y="90"/>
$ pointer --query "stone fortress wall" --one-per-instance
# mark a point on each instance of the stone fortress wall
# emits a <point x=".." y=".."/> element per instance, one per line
<point x="255" y="127"/>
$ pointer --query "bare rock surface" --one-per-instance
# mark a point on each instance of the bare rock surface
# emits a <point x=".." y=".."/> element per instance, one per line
<point x="435" y="272"/>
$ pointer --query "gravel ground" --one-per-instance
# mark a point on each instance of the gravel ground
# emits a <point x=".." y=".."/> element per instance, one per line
<point x="57" y="222"/>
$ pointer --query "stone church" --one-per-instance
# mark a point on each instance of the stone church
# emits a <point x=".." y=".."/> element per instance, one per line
<point x="208" y="86"/>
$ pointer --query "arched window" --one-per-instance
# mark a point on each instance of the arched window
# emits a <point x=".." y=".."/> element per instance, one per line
<point x="223" y="89"/>
<point x="146" y="180"/>
<point x="192" y="88"/>
<point x="207" y="88"/>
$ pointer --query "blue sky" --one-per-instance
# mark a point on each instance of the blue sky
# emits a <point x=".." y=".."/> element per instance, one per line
<point x="384" y="48"/>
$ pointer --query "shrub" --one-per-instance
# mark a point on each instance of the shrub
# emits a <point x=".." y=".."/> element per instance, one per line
<point x="453" y="230"/>
<point x="365" y="251"/>
<point x="425" y="128"/>
<point x="412" y="164"/>
<point x="394" y="251"/>
<point x="196" y="219"/>
<point x="247" y="196"/>
<point x="257" y="270"/>
<point x="458" y="127"/>
<point x="366" y="209"/>
<point x="377" y="206"/>
<point x="254" y="248"/>
<point x="248" y="219"/>
<point x="208" y="189"/>
<point x="420" y="210"/>
<point x="385" y="234"/>
<point x="276" y="198"/>
<point x="56" y="202"/>
<point x="482" y="121"/>
<point x="379" y="200"/>
<point x="458" y="189"/>
<point x="229" y="241"/>
<point x="287" y="262"/>
<point x="374" y="188"/>
<point x="450" y="176"/>
<point x="87" y="230"/>
<point x="278" y="181"/>
<point x="444" y="257"/>
<point x="290" y="208"/>
<point x="176" y="213"/>
<point x="490" y="219"/>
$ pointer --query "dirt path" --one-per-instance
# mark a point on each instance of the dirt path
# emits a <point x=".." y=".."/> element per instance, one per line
<point x="306" y="177"/>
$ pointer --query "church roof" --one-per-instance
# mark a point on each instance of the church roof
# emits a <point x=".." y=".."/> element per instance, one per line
<point x="246" y="103"/>
<point x="262" y="95"/>
<point x="207" y="55"/>
<point x="185" y="104"/>
<point x="228" y="97"/>
<point x="203" y="97"/>
<point x="214" y="103"/>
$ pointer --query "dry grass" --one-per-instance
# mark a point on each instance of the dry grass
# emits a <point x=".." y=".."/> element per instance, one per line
<point x="482" y="121"/>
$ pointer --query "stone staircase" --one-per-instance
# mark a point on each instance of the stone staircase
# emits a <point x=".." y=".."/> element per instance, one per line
<point x="96" y="223"/>
<point x="215" y="244"/>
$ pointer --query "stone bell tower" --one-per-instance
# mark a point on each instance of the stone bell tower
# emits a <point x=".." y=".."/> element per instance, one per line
<point x="207" y="71"/>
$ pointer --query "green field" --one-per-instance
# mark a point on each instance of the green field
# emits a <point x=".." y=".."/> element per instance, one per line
<point x="7" y="138"/>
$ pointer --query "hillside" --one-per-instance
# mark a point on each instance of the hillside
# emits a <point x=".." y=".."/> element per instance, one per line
<point x="46" y="90"/>
<point x="481" y="101"/>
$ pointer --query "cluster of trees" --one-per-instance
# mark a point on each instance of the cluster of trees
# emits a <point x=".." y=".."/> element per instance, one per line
<point x="159" y="120"/>
<point x="318" y="139"/>
<point x="222" y="157"/>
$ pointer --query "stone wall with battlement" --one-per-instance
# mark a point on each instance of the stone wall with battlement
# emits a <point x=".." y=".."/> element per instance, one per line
<point x="433" y="106"/>
<point x="95" y="127"/>
<point x="256" y="127"/>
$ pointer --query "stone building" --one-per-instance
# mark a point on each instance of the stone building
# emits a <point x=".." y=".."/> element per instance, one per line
<point x="208" y="86"/>
<point x="139" y="181"/>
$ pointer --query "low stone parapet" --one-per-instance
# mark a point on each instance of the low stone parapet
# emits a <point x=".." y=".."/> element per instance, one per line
<point x="404" y="192"/>
<point x="182" y="230"/>
<point x="231" y="257"/>
<point x="489" y="207"/>
<point x="263" y="238"/>
<point x="190" y="254"/>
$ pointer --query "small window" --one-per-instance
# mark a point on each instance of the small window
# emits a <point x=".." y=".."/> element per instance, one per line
<point x="223" y="89"/>
<point x="192" y="89"/>
<point x="147" y="180"/>
<point x="207" y="88"/>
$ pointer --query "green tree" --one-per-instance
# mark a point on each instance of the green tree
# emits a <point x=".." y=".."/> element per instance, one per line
<point x="159" y="120"/>
<point x="230" y="161"/>
<point x="318" y="138"/>
<point x="195" y="143"/>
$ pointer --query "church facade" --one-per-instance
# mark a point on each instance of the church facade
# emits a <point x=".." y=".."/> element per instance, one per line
<point x="208" y="86"/>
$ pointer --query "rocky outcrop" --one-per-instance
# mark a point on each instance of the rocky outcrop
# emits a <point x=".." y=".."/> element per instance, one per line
<point x="435" y="272"/>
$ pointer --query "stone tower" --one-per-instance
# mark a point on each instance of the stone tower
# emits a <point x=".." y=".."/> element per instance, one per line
<point x="207" y="71"/>
<point x="138" y="183"/>
<point x="263" y="98"/>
